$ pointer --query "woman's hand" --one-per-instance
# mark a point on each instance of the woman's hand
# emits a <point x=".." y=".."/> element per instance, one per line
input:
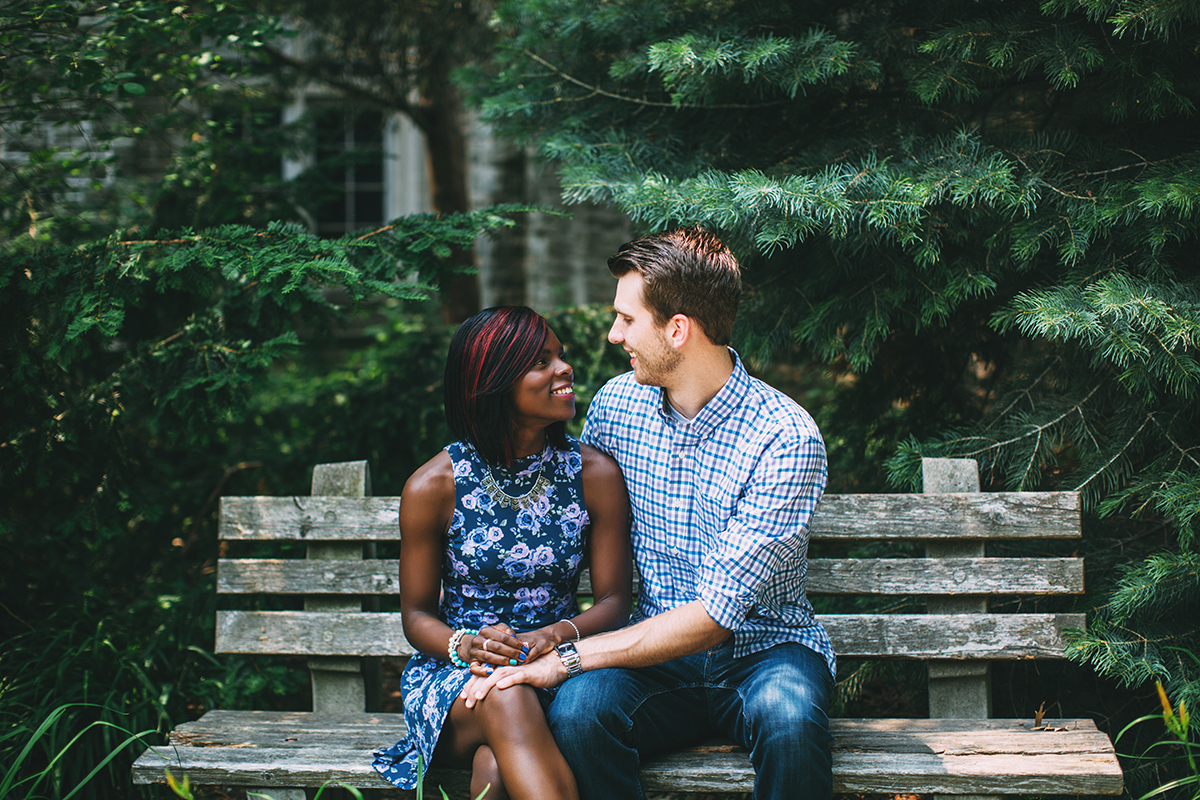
<point x="540" y="642"/>
<point x="497" y="646"/>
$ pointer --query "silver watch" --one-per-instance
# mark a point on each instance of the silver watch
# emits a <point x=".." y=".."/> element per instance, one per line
<point x="570" y="659"/>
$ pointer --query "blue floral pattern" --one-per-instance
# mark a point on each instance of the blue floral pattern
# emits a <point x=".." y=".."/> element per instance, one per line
<point x="501" y="564"/>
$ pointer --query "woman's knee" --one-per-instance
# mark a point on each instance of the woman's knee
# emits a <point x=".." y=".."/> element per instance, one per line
<point x="510" y="712"/>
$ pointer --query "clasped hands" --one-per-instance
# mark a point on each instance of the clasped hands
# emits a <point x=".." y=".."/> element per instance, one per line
<point x="501" y="657"/>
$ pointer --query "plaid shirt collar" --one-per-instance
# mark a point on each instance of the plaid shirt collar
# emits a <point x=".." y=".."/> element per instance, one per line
<point x="717" y="410"/>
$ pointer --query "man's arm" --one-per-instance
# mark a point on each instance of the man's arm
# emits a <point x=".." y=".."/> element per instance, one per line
<point x="673" y="634"/>
<point x="679" y="632"/>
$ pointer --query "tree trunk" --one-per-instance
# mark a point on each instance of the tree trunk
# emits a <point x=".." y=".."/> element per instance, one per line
<point x="446" y="146"/>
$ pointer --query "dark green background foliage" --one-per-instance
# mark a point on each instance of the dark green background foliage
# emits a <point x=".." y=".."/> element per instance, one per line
<point x="147" y="79"/>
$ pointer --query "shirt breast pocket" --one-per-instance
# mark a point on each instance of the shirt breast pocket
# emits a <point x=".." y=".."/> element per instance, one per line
<point x="716" y="499"/>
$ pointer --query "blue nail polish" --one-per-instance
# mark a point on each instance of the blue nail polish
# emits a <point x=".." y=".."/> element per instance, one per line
<point x="490" y="670"/>
<point x="521" y="658"/>
<point x="512" y="662"/>
<point x="525" y="647"/>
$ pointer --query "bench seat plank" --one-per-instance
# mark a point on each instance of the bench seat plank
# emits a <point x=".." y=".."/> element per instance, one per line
<point x="913" y="636"/>
<point x="992" y="515"/>
<point x="256" y="748"/>
<point x="826" y="576"/>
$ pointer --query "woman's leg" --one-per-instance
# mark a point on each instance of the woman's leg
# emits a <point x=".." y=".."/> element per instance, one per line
<point x="485" y="775"/>
<point x="511" y="723"/>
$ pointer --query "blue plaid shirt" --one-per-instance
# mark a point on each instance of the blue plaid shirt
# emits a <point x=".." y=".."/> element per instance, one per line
<point x="721" y="504"/>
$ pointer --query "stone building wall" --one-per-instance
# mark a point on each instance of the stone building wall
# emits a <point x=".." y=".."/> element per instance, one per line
<point x="549" y="261"/>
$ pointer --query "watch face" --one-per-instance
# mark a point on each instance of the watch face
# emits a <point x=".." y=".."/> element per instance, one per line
<point x="570" y="659"/>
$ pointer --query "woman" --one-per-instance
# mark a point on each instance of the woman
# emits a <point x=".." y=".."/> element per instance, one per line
<point x="495" y="530"/>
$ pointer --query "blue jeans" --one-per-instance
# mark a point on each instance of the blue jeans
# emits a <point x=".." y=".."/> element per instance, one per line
<point x="773" y="702"/>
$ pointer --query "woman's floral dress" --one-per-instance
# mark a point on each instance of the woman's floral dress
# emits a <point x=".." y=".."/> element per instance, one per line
<point x="502" y="564"/>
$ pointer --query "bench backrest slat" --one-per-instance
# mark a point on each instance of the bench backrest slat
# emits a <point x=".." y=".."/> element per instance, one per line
<point x="991" y="515"/>
<point x="826" y="576"/>
<point x="905" y="636"/>
<point x="299" y="518"/>
<point x="968" y="515"/>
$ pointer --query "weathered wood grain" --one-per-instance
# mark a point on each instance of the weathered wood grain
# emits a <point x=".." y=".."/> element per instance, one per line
<point x="950" y="636"/>
<point x="867" y="576"/>
<point x="311" y="634"/>
<point x="254" y="748"/>
<point x="987" y="515"/>
<point x="945" y="576"/>
<point x="907" y="636"/>
<point x="300" y="518"/>
<point x="296" y="576"/>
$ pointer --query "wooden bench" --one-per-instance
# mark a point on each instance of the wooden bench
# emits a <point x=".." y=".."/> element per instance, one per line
<point x="959" y="750"/>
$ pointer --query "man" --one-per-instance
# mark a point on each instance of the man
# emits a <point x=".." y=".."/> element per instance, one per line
<point x="724" y="474"/>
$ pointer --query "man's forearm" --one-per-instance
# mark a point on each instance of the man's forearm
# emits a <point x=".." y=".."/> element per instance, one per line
<point x="679" y="632"/>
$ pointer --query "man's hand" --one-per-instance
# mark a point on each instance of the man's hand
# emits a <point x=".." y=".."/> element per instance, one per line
<point x="544" y="673"/>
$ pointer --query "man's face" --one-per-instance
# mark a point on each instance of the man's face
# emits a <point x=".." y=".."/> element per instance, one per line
<point x="651" y="355"/>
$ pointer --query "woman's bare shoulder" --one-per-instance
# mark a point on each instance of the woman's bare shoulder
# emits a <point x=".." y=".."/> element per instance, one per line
<point x="598" y="465"/>
<point x="433" y="480"/>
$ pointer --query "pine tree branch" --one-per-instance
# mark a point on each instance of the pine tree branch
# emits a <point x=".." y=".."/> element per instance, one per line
<point x="596" y="90"/>
<point x="1120" y="451"/>
<point x="1184" y="452"/>
<point x="375" y="232"/>
<point x="189" y="240"/>
<point x="1038" y="429"/>
<point x="1143" y="163"/>
<point x="1026" y="392"/>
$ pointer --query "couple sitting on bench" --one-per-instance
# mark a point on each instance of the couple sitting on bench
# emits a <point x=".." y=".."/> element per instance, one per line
<point x="712" y="478"/>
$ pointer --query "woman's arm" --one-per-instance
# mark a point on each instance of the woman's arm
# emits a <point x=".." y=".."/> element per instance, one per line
<point x="609" y="555"/>
<point x="426" y="507"/>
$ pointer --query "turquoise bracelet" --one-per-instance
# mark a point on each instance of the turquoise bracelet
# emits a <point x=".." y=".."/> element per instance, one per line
<point x="452" y="648"/>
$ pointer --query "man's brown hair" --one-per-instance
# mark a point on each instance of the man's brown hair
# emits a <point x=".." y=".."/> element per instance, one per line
<point x="685" y="271"/>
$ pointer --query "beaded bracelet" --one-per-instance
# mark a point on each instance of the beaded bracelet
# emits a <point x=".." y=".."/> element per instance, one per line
<point x="578" y="636"/>
<point x="452" y="648"/>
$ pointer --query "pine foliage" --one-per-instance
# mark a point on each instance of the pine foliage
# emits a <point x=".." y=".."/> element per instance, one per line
<point x="987" y="214"/>
<point x="1148" y="627"/>
<point x="121" y="351"/>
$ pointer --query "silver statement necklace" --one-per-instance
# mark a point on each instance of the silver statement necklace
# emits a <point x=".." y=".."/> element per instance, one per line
<point x="506" y="500"/>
